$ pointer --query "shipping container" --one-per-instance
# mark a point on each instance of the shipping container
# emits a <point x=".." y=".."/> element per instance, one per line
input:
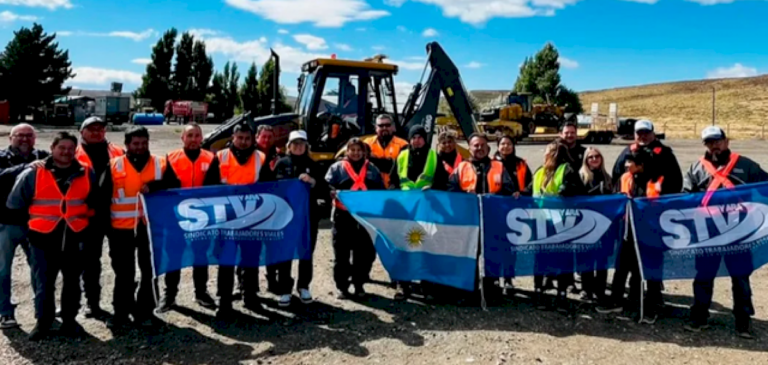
<point x="5" y="112"/>
<point x="113" y="109"/>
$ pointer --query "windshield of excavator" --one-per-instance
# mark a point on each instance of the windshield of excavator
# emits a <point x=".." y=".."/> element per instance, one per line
<point x="382" y="92"/>
<point x="305" y="101"/>
<point x="341" y="96"/>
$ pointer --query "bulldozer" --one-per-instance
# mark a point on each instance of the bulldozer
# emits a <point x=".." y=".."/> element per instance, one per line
<point x="340" y="99"/>
<point x="518" y="117"/>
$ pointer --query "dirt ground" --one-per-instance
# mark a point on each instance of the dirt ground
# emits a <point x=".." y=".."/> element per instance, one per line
<point x="376" y="331"/>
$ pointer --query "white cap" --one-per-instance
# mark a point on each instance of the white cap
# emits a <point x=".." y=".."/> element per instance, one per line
<point x="297" y="135"/>
<point x="712" y="132"/>
<point x="91" y="121"/>
<point x="644" y="125"/>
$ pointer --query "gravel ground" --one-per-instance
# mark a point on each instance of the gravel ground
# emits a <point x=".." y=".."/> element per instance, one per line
<point x="378" y="331"/>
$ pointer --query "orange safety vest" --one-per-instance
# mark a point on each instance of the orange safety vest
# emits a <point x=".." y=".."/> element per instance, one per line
<point x="233" y="173"/>
<point x="390" y="152"/>
<point x="126" y="208"/>
<point x="522" y="168"/>
<point x="85" y="160"/>
<point x="719" y="177"/>
<point x="191" y="174"/>
<point x="468" y="176"/>
<point x="456" y="163"/>
<point x="49" y="206"/>
<point x="652" y="189"/>
<point x="358" y="180"/>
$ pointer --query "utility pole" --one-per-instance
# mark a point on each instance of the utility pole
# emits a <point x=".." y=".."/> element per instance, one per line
<point x="713" y="105"/>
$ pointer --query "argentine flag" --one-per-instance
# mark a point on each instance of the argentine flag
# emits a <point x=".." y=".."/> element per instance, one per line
<point x="421" y="235"/>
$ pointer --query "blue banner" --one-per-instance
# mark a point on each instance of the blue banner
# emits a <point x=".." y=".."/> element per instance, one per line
<point x="539" y="236"/>
<point x="678" y="238"/>
<point x="421" y="235"/>
<point x="246" y="225"/>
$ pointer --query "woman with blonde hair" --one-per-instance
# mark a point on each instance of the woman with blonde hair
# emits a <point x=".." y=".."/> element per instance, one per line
<point x="556" y="178"/>
<point x="596" y="181"/>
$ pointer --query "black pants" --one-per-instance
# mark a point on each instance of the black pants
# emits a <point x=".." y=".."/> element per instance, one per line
<point x="124" y="249"/>
<point x="49" y="255"/>
<point x="93" y="247"/>
<point x="353" y="251"/>
<point x="199" y="273"/>
<point x="282" y="271"/>
<point x="704" y="283"/>
<point x="593" y="281"/>
<point x="627" y="266"/>
<point x="248" y="277"/>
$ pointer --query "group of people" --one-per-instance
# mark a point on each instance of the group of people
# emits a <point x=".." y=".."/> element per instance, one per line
<point x="61" y="205"/>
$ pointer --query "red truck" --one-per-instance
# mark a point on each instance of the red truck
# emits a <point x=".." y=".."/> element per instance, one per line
<point x="184" y="111"/>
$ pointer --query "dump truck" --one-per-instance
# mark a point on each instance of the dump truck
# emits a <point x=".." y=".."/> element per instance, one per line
<point x="185" y="111"/>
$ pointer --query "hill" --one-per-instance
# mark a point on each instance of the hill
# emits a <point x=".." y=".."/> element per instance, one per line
<point x="682" y="108"/>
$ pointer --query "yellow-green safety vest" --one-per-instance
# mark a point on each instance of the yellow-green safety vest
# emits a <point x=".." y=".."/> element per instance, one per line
<point x="554" y="184"/>
<point x="426" y="178"/>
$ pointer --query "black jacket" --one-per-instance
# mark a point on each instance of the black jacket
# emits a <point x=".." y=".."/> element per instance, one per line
<point x="442" y="159"/>
<point x="510" y="164"/>
<point x="11" y="165"/>
<point x="291" y="167"/>
<point x="416" y="164"/>
<point x="663" y="163"/>
<point x="598" y="185"/>
<point x="482" y="167"/>
<point x="745" y="171"/>
<point x="576" y="154"/>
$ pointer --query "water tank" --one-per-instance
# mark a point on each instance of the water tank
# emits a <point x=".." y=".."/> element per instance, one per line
<point x="148" y="119"/>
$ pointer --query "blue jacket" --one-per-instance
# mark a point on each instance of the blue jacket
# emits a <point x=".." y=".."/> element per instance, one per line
<point x="11" y="166"/>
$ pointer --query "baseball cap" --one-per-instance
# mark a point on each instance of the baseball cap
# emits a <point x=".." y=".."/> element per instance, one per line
<point x="297" y="135"/>
<point x="643" y="125"/>
<point x="90" y="121"/>
<point x="712" y="133"/>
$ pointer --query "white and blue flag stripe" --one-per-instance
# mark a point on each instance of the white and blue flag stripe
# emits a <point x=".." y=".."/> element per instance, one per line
<point x="431" y="236"/>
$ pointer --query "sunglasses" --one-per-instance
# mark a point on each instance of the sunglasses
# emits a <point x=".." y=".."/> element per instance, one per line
<point x="386" y="125"/>
<point x="594" y="157"/>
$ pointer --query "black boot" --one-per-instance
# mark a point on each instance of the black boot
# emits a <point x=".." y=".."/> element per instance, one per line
<point x="70" y="328"/>
<point x="41" y="330"/>
<point x="167" y="303"/>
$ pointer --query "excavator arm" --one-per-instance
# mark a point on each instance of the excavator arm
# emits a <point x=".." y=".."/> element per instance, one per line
<point x="421" y="105"/>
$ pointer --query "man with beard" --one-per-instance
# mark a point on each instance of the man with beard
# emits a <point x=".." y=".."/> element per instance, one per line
<point x="137" y="172"/>
<point x="576" y="151"/>
<point x="721" y="168"/>
<point x="95" y="152"/>
<point x="385" y="146"/>
<point x="415" y="169"/>
<point x="13" y="160"/>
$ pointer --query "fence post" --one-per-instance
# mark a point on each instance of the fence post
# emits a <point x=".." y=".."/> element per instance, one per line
<point x="762" y="132"/>
<point x="695" y="128"/>
<point x="728" y="129"/>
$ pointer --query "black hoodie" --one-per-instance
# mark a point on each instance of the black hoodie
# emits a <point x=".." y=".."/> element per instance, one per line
<point x="291" y="167"/>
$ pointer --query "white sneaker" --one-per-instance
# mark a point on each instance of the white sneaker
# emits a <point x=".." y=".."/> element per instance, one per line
<point x="305" y="295"/>
<point x="285" y="300"/>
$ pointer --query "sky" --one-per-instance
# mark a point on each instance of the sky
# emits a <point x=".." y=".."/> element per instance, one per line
<point x="602" y="43"/>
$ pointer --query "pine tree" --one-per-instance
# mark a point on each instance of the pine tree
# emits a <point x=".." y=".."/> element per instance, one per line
<point x="156" y="82"/>
<point x="249" y="93"/>
<point x="183" y="81"/>
<point x="540" y="76"/>
<point x="202" y="70"/>
<point x="232" y="81"/>
<point x="35" y="68"/>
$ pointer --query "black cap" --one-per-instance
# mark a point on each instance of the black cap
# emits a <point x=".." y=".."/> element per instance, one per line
<point x="417" y="130"/>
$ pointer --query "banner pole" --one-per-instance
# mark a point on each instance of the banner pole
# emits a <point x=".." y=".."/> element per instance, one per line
<point x="155" y="288"/>
<point x="643" y="284"/>
<point x="481" y="259"/>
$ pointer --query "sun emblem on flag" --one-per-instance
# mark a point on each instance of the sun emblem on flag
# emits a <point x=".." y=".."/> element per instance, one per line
<point x="415" y="236"/>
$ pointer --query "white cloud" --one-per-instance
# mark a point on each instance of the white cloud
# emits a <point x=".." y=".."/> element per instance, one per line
<point x="102" y="76"/>
<point x="64" y="33"/>
<point x="430" y="32"/>
<point x="282" y="31"/>
<point x="6" y="17"/>
<point x="378" y="48"/>
<point x="651" y="2"/>
<point x="567" y="63"/>
<point x="48" y="4"/>
<point x="474" y="64"/>
<point x="257" y="50"/>
<point x="413" y="66"/>
<point x="334" y="14"/>
<point x="479" y="11"/>
<point x="135" y="36"/>
<point x="343" y="47"/>
<point x="417" y="58"/>
<point x="203" y="32"/>
<point x="402" y="91"/>
<point x="311" y="42"/>
<point x="737" y="70"/>
<point x="142" y="61"/>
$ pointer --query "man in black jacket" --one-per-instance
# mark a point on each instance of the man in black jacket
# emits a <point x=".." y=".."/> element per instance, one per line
<point x="418" y="155"/>
<point x="575" y="149"/>
<point x="13" y="160"/>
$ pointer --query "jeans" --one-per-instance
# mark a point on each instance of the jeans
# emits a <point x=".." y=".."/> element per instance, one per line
<point x="48" y="259"/>
<point x="706" y="270"/>
<point x="124" y="248"/>
<point x="10" y="237"/>
<point x="92" y="250"/>
<point x="283" y="269"/>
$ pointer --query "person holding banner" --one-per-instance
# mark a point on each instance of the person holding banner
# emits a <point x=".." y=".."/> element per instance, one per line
<point x="190" y="167"/>
<point x="555" y="178"/>
<point x="136" y="172"/>
<point x="720" y="168"/>
<point x="448" y="157"/>
<point x="59" y="199"/>
<point x="385" y="146"/>
<point x="298" y="165"/>
<point x="519" y="171"/>
<point x="241" y="164"/>
<point x="351" y="241"/>
<point x="597" y="181"/>
<point x="95" y="152"/>
<point x="415" y="169"/>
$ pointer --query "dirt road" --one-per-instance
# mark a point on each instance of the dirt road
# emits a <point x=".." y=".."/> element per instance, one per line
<point x="377" y="331"/>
